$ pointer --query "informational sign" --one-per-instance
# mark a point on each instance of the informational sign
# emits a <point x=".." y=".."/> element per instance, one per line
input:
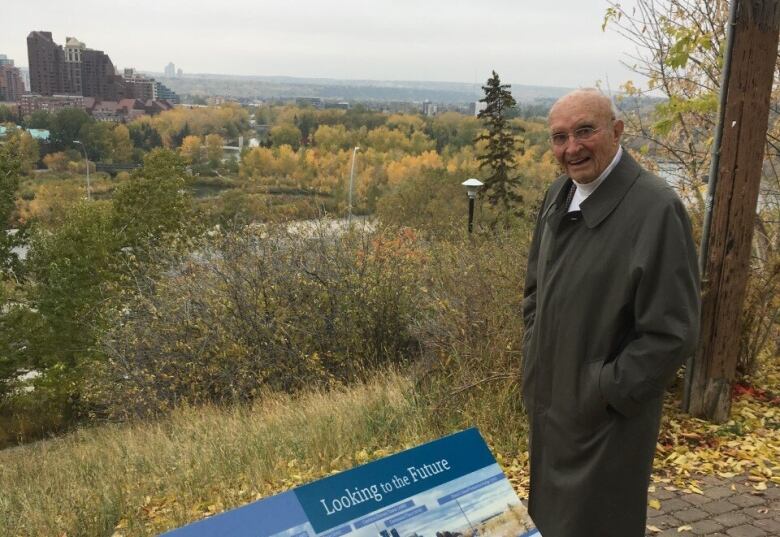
<point x="451" y="487"/>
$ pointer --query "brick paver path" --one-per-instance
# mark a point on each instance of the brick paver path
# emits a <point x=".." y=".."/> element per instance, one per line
<point x="728" y="508"/>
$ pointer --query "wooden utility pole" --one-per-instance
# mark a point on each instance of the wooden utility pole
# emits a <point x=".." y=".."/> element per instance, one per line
<point x="711" y="371"/>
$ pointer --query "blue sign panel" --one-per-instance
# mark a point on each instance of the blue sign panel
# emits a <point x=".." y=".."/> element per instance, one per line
<point x="451" y="485"/>
<point x="264" y="518"/>
<point x="362" y="490"/>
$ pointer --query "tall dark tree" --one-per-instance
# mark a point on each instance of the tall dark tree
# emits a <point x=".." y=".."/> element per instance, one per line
<point x="65" y="126"/>
<point x="498" y="158"/>
<point x="178" y="137"/>
<point x="144" y="136"/>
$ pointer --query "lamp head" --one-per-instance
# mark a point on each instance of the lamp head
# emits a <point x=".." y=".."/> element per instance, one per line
<point x="472" y="186"/>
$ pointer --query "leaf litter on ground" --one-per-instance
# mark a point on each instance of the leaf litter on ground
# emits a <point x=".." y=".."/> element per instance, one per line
<point x="746" y="447"/>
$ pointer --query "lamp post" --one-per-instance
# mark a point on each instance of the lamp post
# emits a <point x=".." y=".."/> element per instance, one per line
<point x="472" y="187"/>
<point x="351" y="181"/>
<point x="86" y="160"/>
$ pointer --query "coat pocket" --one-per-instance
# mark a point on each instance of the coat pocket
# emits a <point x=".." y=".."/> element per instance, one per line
<point x="593" y="405"/>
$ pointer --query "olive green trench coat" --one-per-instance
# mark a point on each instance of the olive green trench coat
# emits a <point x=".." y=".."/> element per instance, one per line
<point x="611" y="310"/>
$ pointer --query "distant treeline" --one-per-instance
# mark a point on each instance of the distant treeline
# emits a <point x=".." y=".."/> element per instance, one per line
<point x="349" y="90"/>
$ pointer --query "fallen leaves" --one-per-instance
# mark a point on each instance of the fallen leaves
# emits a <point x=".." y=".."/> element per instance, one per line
<point x="747" y="444"/>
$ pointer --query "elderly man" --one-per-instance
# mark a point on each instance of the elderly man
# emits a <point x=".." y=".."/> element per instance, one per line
<point x="611" y="309"/>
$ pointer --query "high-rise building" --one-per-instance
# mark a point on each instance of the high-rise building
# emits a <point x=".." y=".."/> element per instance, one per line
<point x="77" y="76"/>
<point x="47" y="63"/>
<point x="139" y="86"/>
<point x="179" y="73"/>
<point x="99" y="77"/>
<point x="72" y="53"/>
<point x="72" y="70"/>
<point x="11" y="83"/>
<point x="170" y="70"/>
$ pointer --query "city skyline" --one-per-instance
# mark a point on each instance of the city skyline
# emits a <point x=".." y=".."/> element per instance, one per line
<point x="457" y="41"/>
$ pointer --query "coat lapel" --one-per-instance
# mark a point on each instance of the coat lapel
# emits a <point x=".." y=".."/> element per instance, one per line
<point x="556" y="195"/>
<point x="608" y="195"/>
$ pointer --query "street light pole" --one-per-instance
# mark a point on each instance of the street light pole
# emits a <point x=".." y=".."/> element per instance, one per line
<point x="472" y="187"/>
<point x="351" y="181"/>
<point x="86" y="160"/>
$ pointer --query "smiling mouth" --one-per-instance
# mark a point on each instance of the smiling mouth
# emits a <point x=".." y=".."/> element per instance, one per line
<point x="578" y="161"/>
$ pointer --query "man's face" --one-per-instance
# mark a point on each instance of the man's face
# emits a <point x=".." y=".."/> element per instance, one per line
<point x="583" y="160"/>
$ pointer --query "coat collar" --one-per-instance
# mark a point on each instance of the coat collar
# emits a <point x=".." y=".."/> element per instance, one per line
<point x="609" y="194"/>
<point x="605" y="198"/>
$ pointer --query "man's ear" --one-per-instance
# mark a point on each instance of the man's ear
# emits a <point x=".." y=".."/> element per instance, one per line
<point x="618" y="129"/>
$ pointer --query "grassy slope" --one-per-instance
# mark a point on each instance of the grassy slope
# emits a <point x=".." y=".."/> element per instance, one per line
<point x="125" y="480"/>
<point x="142" y="479"/>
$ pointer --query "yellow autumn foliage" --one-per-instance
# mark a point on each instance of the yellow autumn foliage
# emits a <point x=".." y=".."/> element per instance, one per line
<point x="257" y="162"/>
<point x="226" y="120"/>
<point x="192" y="149"/>
<point x="411" y="166"/>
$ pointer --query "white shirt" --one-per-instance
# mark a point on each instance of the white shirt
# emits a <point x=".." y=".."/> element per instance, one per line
<point x="586" y="189"/>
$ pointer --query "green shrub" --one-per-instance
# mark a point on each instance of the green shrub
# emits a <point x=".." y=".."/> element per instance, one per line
<point x="264" y="308"/>
<point x="470" y="374"/>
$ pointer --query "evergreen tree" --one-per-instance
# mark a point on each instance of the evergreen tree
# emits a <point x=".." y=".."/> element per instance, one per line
<point x="144" y="136"/>
<point x="498" y="158"/>
<point x="178" y="137"/>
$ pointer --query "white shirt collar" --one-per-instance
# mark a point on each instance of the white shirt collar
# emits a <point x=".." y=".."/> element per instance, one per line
<point x="593" y="185"/>
<point x="586" y="189"/>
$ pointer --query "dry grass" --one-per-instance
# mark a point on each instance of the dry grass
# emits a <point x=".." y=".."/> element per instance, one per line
<point x="145" y="478"/>
<point x="127" y="480"/>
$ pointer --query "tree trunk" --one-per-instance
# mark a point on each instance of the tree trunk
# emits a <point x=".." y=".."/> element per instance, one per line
<point x="711" y="371"/>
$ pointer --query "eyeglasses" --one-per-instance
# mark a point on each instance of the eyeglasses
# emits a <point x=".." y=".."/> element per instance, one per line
<point x="579" y="135"/>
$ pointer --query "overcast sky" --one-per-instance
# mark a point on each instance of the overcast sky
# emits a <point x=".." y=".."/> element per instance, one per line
<point x="538" y="42"/>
